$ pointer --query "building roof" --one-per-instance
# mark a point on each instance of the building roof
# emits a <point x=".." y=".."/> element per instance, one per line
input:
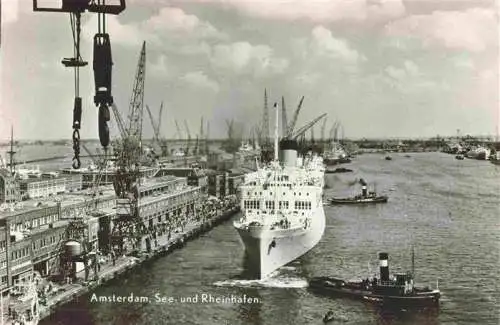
<point x="66" y="199"/>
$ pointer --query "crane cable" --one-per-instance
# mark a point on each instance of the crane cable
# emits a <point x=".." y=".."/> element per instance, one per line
<point x="77" y="109"/>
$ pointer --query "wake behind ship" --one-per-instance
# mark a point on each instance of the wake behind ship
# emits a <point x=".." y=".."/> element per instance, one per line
<point x="282" y="209"/>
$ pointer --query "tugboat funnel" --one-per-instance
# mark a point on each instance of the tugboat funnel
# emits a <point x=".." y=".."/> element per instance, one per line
<point x="364" y="191"/>
<point x="384" y="266"/>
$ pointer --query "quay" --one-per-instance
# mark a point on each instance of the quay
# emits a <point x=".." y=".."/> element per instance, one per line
<point x="124" y="264"/>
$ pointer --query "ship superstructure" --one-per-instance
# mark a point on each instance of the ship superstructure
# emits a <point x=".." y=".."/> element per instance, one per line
<point x="282" y="207"/>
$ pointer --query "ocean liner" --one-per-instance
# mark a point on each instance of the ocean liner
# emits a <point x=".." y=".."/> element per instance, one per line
<point x="282" y="208"/>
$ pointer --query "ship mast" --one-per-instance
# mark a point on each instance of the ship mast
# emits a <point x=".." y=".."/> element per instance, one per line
<point x="276" y="131"/>
<point x="413" y="262"/>
<point x="11" y="152"/>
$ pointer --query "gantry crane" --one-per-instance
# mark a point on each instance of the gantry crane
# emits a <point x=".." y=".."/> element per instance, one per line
<point x="77" y="233"/>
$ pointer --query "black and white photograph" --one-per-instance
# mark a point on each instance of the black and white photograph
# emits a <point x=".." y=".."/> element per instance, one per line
<point x="249" y="162"/>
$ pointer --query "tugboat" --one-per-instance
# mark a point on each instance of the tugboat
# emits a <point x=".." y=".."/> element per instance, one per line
<point x="363" y="198"/>
<point x="397" y="291"/>
<point x="337" y="170"/>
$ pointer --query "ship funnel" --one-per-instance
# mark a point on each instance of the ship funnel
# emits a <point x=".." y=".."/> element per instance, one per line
<point x="364" y="191"/>
<point x="288" y="152"/>
<point x="384" y="266"/>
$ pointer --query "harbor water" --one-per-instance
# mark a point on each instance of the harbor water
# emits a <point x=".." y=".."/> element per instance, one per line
<point x="448" y="210"/>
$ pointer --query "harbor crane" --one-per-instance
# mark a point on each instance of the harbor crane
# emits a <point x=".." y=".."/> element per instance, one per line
<point x="306" y="127"/>
<point x="178" y="135"/>
<point x="200" y="146"/>
<point x="265" y="122"/>
<point x="207" y="134"/>
<point x="161" y="143"/>
<point x="119" y="121"/>
<point x="102" y="63"/>
<point x="284" y="120"/>
<point x="188" y="144"/>
<point x="295" y="117"/>
<point x="128" y="227"/>
<point x="323" y="127"/>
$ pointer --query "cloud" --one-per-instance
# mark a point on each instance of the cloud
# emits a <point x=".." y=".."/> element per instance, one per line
<point x="200" y="80"/>
<point x="129" y="35"/>
<point x="324" y="43"/>
<point x="159" y="67"/>
<point x="175" y="20"/>
<point x="243" y="57"/>
<point x="408" y="70"/>
<point x="318" y="11"/>
<point x="473" y="29"/>
<point x="169" y="25"/>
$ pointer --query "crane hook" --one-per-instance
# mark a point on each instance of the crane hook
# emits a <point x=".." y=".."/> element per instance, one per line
<point x="103" y="126"/>
<point x="76" y="148"/>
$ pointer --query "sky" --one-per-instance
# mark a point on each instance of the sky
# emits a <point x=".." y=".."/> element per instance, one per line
<point x="382" y="68"/>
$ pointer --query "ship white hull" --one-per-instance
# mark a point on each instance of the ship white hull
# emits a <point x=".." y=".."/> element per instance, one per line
<point x="267" y="250"/>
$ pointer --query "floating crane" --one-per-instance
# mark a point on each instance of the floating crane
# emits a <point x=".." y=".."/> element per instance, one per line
<point x="102" y="64"/>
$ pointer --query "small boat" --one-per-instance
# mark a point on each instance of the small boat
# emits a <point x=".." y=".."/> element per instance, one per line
<point x="396" y="291"/>
<point x="337" y="170"/>
<point x="460" y="157"/>
<point x="388" y="158"/>
<point x="360" y="199"/>
<point x="329" y="316"/>
<point x="363" y="198"/>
